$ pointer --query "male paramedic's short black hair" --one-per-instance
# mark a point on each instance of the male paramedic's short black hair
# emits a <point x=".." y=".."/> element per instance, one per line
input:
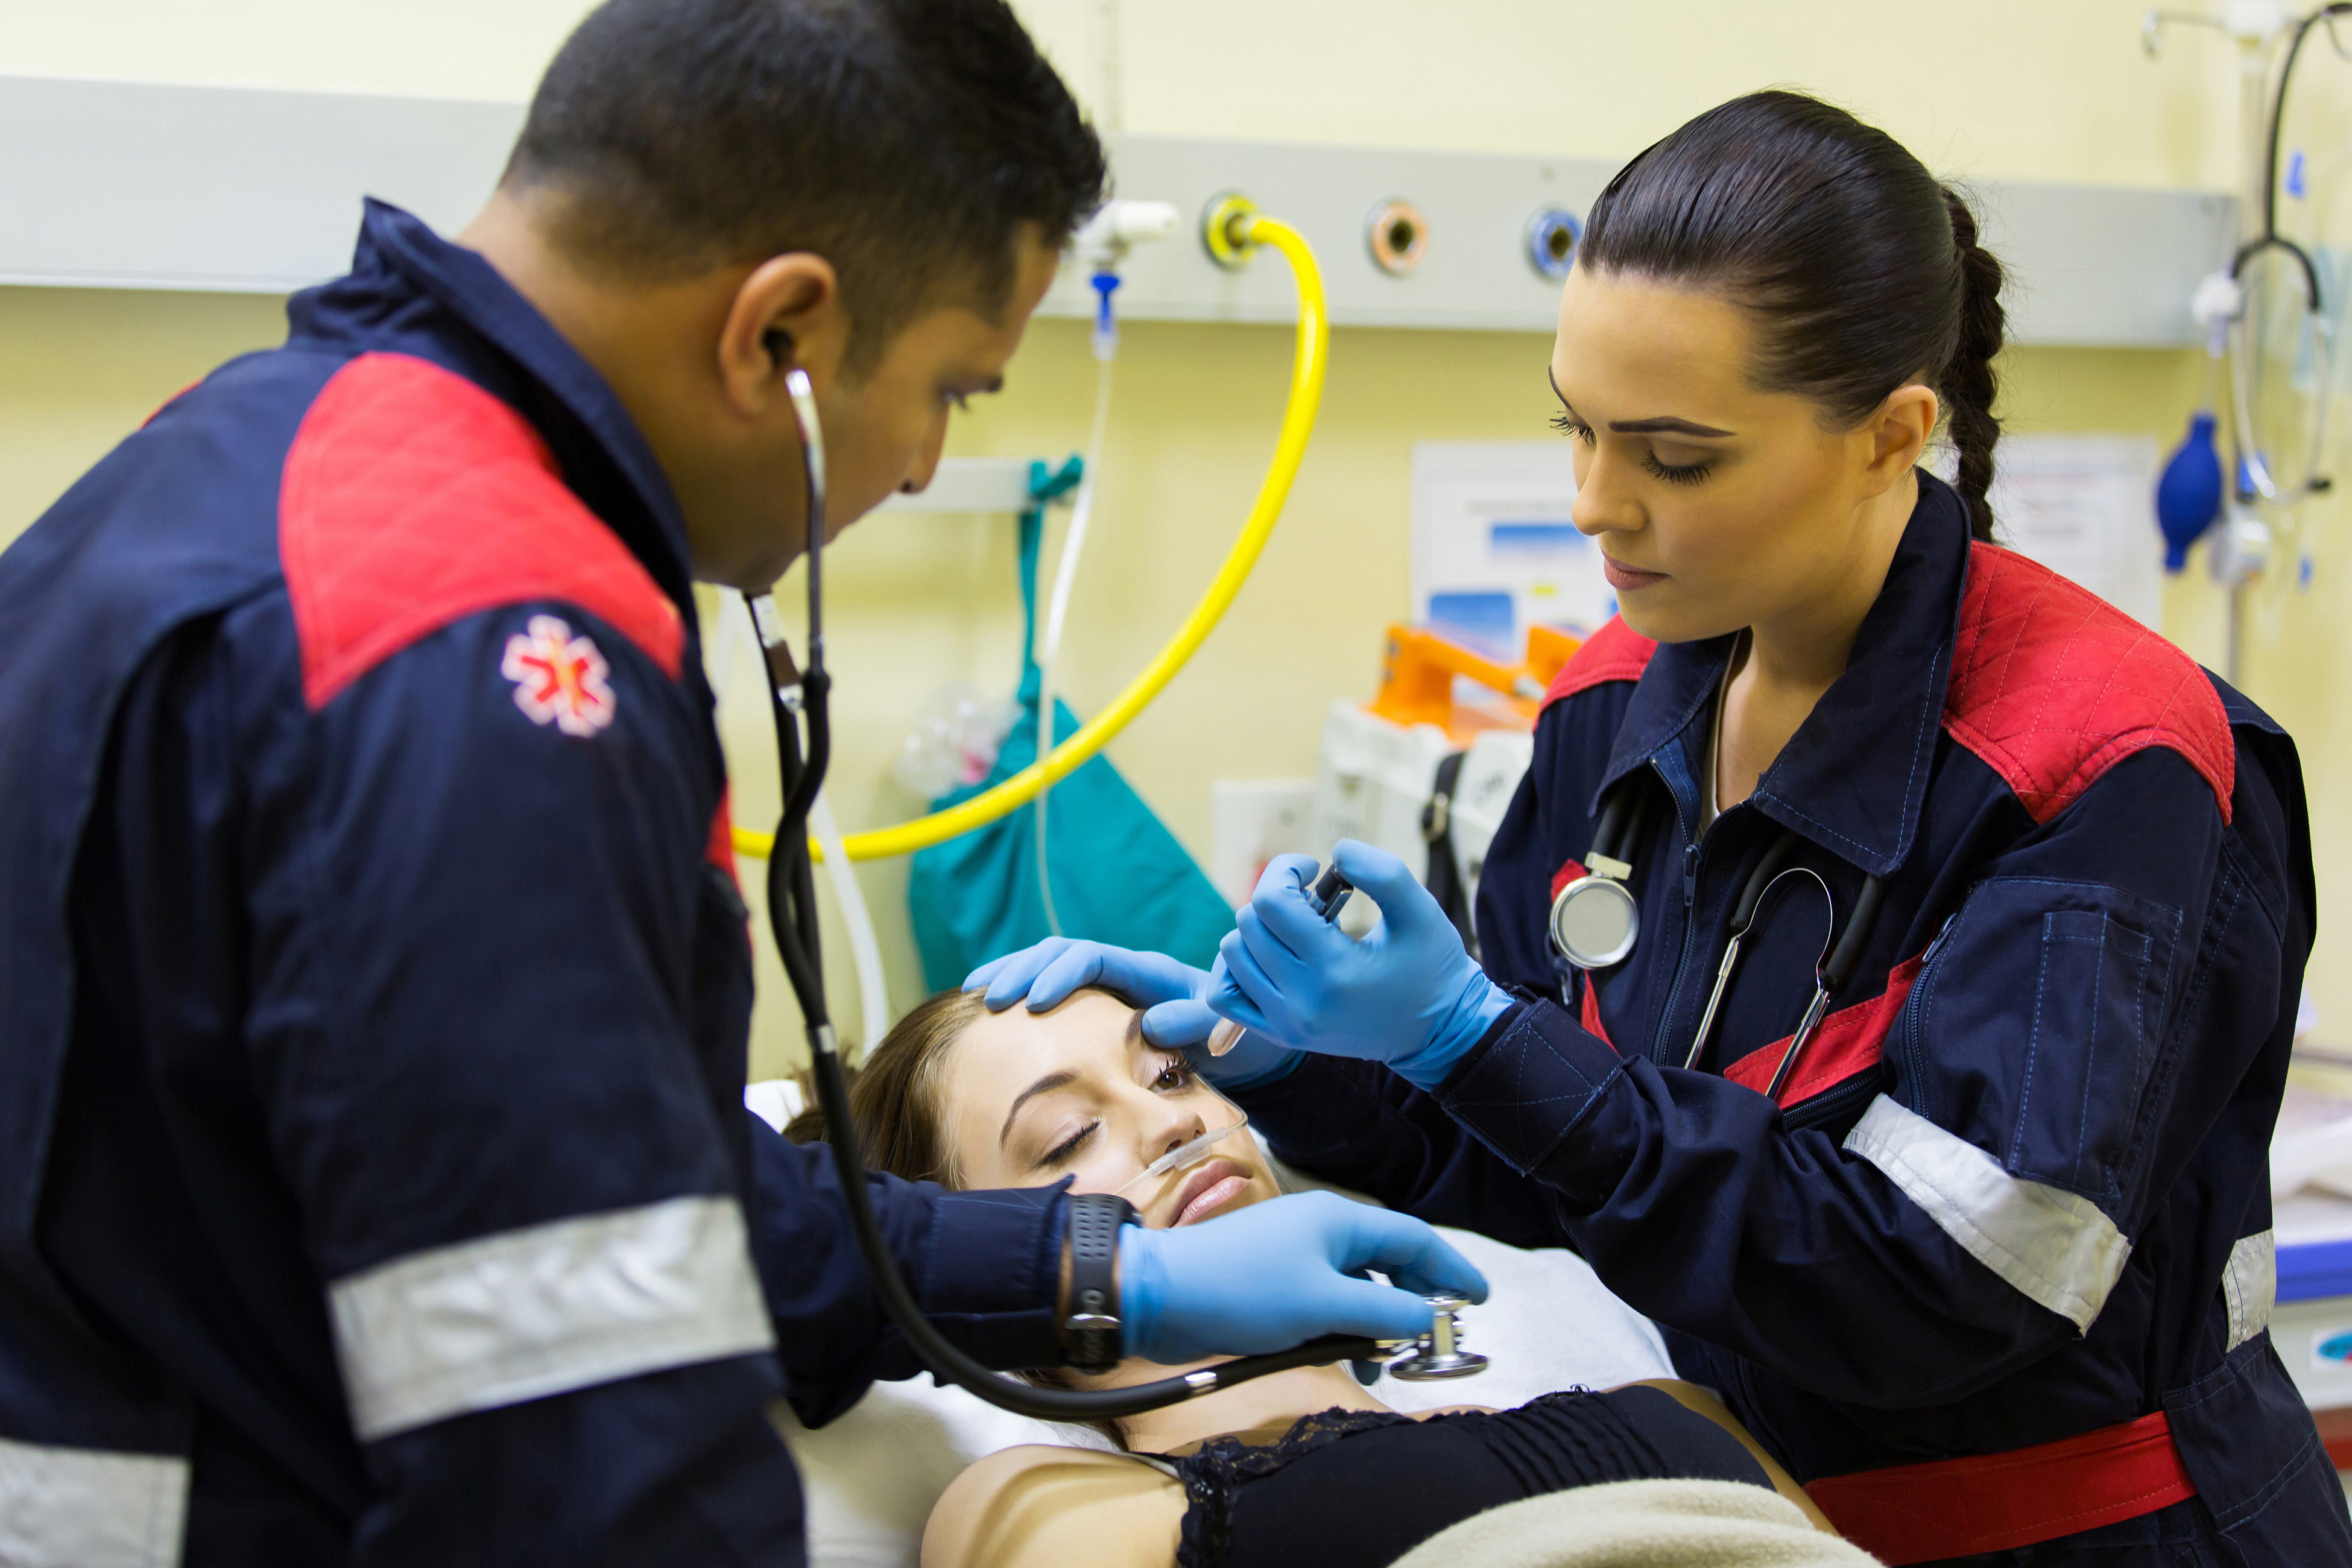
<point x="905" y="140"/>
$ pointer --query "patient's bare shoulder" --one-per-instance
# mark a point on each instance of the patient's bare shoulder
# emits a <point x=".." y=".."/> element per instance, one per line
<point x="1040" y="1507"/>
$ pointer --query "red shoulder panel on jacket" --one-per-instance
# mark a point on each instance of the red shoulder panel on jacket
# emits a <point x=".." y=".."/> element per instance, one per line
<point x="1615" y="652"/>
<point x="412" y="499"/>
<point x="2052" y="686"/>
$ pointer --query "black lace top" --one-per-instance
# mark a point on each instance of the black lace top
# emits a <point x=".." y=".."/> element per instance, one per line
<point x="1363" y="1488"/>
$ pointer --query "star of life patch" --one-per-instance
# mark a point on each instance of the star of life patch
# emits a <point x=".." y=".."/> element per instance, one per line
<point x="559" y="678"/>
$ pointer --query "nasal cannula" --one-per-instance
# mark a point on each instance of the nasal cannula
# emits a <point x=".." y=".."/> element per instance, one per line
<point x="1185" y="1155"/>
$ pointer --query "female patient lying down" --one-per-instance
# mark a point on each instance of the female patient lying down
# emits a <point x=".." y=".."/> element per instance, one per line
<point x="1297" y="1468"/>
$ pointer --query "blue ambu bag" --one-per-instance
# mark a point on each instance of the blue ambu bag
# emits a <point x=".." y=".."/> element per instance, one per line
<point x="1119" y="874"/>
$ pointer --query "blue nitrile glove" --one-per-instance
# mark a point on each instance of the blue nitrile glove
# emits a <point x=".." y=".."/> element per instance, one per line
<point x="1175" y="1016"/>
<point x="1408" y="995"/>
<point x="1280" y="1273"/>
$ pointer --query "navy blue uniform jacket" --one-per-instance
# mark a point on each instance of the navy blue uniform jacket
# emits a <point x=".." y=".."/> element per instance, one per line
<point x="374" y="988"/>
<point x="2016" y="1189"/>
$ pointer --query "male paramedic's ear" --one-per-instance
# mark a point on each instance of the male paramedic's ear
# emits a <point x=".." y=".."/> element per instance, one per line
<point x="794" y="300"/>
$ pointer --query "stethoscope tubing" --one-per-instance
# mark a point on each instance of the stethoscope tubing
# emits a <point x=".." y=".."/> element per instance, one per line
<point x="801" y="698"/>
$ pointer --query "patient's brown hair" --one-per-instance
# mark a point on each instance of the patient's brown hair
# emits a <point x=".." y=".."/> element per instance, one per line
<point x="894" y="1095"/>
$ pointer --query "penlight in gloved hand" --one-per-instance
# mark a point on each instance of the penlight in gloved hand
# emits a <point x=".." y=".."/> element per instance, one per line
<point x="1172" y="993"/>
<point x="1267" y="1277"/>
<point x="1408" y="995"/>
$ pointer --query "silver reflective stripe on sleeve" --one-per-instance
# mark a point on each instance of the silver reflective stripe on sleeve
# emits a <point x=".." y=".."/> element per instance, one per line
<point x="2057" y="1249"/>
<point x="2250" y="1286"/>
<point x="545" y="1309"/>
<point x="89" y="1508"/>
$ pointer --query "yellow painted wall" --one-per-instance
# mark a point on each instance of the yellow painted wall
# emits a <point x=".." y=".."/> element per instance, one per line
<point x="2006" y="89"/>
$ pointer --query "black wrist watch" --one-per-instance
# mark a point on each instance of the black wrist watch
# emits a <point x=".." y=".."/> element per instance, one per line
<point x="1090" y="1331"/>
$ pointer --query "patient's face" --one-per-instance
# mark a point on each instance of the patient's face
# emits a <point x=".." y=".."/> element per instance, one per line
<point x="1030" y="1097"/>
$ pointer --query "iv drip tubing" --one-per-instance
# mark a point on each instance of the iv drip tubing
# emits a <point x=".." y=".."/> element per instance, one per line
<point x="2251" y="479"/>
<point x="1297" y="424"/>
<point x="1049" y="653"/>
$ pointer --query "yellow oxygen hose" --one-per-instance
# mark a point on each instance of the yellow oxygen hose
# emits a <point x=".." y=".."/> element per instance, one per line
<point x="1245" y="229"/>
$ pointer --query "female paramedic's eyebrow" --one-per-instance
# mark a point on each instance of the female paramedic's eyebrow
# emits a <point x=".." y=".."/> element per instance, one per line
<point x="1662" y="424"/>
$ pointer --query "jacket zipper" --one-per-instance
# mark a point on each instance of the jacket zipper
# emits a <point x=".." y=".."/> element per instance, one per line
<point x="1828" y="1107"/>
<point x="1690" y="926"/>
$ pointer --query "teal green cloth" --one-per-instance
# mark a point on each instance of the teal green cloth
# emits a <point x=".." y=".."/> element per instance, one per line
<point x="1119" y="876"/>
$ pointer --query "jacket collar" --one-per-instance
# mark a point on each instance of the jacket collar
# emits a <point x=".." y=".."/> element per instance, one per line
<point x="1854" y="776"/>
<point x="398" y="258"/>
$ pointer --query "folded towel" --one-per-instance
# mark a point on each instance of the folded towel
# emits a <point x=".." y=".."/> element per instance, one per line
<point x="1641" y="1524"/>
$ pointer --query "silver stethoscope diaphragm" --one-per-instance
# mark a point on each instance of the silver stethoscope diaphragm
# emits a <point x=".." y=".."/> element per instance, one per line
<point x="1439" y="1353"/>
<point x="1594" y="921"/>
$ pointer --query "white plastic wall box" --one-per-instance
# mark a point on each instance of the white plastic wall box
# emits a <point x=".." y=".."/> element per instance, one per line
<point x="139" y="185"/>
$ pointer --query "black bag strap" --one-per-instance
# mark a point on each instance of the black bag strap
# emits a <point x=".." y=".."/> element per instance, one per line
<point x="1443" y="876"/>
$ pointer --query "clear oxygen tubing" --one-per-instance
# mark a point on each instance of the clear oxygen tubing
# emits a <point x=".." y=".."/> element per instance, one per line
<point x="1066" y="573"/>
<point x="802" y="700"/>
<point x="1298" y="424"/>
<point x="864" y="948"/>
<point x="736" y="619"/>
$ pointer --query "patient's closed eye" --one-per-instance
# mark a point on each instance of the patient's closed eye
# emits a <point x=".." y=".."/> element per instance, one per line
<point x="1062" y="1153"/>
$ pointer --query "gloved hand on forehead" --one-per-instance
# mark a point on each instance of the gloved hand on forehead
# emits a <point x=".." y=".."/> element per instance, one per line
<point x="1408" y="994"/>
<point x="1280" y="1273"/>
<point x="1172" y="994"/>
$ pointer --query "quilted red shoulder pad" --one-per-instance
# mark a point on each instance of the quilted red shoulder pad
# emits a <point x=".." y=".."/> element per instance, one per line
<point x="411" y="499"/>
<point x="2052" y="686"/>
<point x="1615" y="652"/>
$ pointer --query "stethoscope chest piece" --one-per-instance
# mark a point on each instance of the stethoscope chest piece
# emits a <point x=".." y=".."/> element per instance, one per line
<point x="1594" y="920"/>
<point x="1438" y="1354"/>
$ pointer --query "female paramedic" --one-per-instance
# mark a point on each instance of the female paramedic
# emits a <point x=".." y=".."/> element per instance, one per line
<point x="1891" y="956"/>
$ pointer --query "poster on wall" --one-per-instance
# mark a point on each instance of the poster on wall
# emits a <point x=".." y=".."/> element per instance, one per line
<point x="2084" y="506"/>
<point x="1494" y="549"/>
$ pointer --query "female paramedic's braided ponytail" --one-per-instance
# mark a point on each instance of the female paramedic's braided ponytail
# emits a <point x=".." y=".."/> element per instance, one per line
<point x="1967" y="384"/>
<point x="1861" y="270"/>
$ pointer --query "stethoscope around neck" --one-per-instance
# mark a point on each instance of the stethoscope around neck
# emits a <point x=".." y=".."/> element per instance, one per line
<point x="1595" y="922"/>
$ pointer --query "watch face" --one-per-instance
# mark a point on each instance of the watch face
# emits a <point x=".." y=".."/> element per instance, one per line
<point x="1594" y="921"/>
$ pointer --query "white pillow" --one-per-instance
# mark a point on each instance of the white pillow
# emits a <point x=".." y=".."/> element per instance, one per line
<point x="872" y="1475"/>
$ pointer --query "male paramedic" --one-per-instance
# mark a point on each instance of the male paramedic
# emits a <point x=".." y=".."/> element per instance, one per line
<point x="374" y="979"/>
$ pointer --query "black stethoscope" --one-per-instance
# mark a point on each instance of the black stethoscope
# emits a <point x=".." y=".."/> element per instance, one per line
<point x="1595" y="920"/>
<point x="798" y="696"/>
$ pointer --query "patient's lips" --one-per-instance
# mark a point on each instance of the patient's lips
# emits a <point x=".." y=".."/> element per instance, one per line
<point x="1208" y="1189"/>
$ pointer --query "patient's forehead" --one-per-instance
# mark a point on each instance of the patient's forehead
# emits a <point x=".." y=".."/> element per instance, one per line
<point x="1092" y="1031"/>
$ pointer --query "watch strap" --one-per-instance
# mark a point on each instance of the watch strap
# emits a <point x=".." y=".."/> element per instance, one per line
<point x="1090" y="1333"/>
